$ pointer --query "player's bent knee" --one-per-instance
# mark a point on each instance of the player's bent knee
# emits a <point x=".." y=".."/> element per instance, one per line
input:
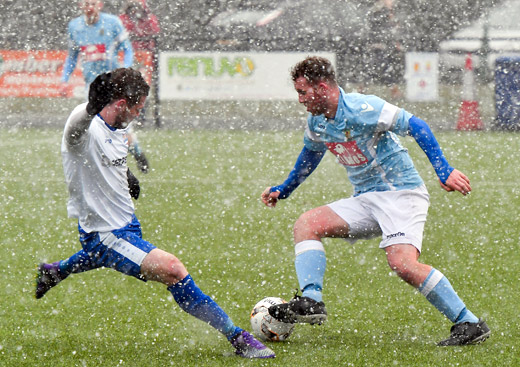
<point x="163" y="267"/>
<point x="404" y="269"/>
<point x="176" y="268"/>
<point x="306" y="223"/>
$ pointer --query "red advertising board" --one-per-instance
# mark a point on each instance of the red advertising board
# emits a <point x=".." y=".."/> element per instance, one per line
<point x="38" y="73"/>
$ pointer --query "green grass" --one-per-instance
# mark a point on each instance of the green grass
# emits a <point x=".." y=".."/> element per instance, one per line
<point x="201" y="202"/>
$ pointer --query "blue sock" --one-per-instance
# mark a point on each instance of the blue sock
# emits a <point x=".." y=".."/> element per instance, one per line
<point x="439" y="292"/>
<point x="310" y="266"/>
<point x="192" y="300"/>
<point x="77" y="263"/>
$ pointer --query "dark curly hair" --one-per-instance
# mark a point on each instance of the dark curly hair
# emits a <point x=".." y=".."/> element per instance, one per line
<point x="314" y="69"/>
<point x="128" y="84"/>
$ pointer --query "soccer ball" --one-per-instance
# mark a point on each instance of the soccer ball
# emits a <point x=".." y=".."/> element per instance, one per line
<point x="265" y="327"/>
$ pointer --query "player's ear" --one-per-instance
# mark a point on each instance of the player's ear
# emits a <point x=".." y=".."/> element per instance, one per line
<point x="121" y="104"/>
<point x="323" y="87"/>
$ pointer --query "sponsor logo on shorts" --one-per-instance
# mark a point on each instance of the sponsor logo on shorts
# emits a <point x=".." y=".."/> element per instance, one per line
<point x="393" y="235"/>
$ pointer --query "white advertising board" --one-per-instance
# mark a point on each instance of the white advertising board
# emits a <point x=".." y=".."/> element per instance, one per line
<point x="422" y="76"/>
<point x="229" y="75"/>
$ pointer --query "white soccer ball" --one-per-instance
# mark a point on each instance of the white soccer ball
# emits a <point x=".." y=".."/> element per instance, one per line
<point x="265" y="327"/>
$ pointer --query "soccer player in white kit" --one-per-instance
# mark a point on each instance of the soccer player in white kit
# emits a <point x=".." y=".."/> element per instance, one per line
<point x="390" y="198"/>
<point x="94" y="150"/>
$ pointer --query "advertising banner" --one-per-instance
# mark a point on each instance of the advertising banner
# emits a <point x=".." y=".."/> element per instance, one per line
<point x="34" y="73"/>
<point x="422" y="76"/>
<point x="38" y="74"/>
<point x="229" y="75"/>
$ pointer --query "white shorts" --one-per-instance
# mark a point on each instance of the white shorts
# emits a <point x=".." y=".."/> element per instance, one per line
<point x="399" y="216"/>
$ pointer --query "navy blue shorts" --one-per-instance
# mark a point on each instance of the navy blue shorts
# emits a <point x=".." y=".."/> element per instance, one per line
<point x="122" y="249"/>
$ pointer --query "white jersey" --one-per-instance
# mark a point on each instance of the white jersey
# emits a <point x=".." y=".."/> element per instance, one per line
<point x="94" y="161"/>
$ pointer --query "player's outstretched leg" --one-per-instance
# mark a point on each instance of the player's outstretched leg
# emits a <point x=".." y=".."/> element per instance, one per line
<point x="47" y="276"/>
<point x="195" y="302"/>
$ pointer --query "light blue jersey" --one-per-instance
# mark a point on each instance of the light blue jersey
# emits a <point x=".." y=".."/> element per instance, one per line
<point x="363" y="137"/>
<point x="98" y="44"/>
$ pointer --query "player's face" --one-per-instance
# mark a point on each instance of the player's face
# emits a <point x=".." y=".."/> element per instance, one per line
<point x="91" y="8"/>
<point x="128" y="113"/>
<point x="310" y="96"/>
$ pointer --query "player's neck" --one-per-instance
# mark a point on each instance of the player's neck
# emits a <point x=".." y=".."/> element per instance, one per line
<point x="93" y="19"/>
<point x="332" y="105"/>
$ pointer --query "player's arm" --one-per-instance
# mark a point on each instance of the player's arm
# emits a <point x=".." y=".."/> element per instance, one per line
<point x="77" y="126"/>
<point x="99" y="95"/>
<point x="450" y="178"/>
<point x="306" y="163"/>
<point x="72" y="57"/>
<point x="70" y="64"/>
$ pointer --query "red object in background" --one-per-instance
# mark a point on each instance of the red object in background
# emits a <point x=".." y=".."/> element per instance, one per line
<point x="469" y="115"/>
<point x="142" y="26"/>
<point x="38" y="74"/>
<point x="35" y="74"/>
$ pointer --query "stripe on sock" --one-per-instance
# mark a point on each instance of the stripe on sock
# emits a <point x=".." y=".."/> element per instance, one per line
<point x="308" y="245"/>
<point x="431" y="281"/>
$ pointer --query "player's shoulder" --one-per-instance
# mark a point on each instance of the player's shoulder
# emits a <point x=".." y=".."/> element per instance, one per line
<point x="363" y="103"/>
<point x="76" y="22"/>
<point x="357" y="98"/>
<point x="110" y="19"/>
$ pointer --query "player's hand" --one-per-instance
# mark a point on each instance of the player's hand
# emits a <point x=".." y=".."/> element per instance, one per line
<point x="142" y="162"/>
<point x="99" y="94"/>
<point x="133" y="185"/>
<point x="457" y="181"/>
<point x="270" y="198"/>
<point x="65" y="90"/>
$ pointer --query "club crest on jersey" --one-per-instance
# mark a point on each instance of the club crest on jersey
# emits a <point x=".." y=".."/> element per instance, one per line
<point x="347" y="134"/>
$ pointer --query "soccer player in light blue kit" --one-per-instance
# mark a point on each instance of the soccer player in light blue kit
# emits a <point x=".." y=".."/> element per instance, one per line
<point x="94" y="150"/>
<point x="389" y="200"/>
<point x="97" y="38"/>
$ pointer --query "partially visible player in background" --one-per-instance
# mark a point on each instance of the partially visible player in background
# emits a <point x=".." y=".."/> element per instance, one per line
<point x="390" y="198"/>
<point x="143" y="27"/>
<point x="94" y="150"/>
<point x="97" y="38"/>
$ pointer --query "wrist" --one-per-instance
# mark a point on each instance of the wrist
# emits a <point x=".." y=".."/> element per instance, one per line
<point x="282" y="189"/>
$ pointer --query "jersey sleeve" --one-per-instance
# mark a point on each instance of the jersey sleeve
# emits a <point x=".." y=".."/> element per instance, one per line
<point x="76" y="127"/>
<point x="72" y="56"/>
<point x="374" y="114"/>
<point x="311" y="140"/>
<point x="391" y="117"/>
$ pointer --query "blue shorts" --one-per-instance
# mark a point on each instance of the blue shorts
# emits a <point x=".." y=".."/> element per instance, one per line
<point x="122" y="249"/>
